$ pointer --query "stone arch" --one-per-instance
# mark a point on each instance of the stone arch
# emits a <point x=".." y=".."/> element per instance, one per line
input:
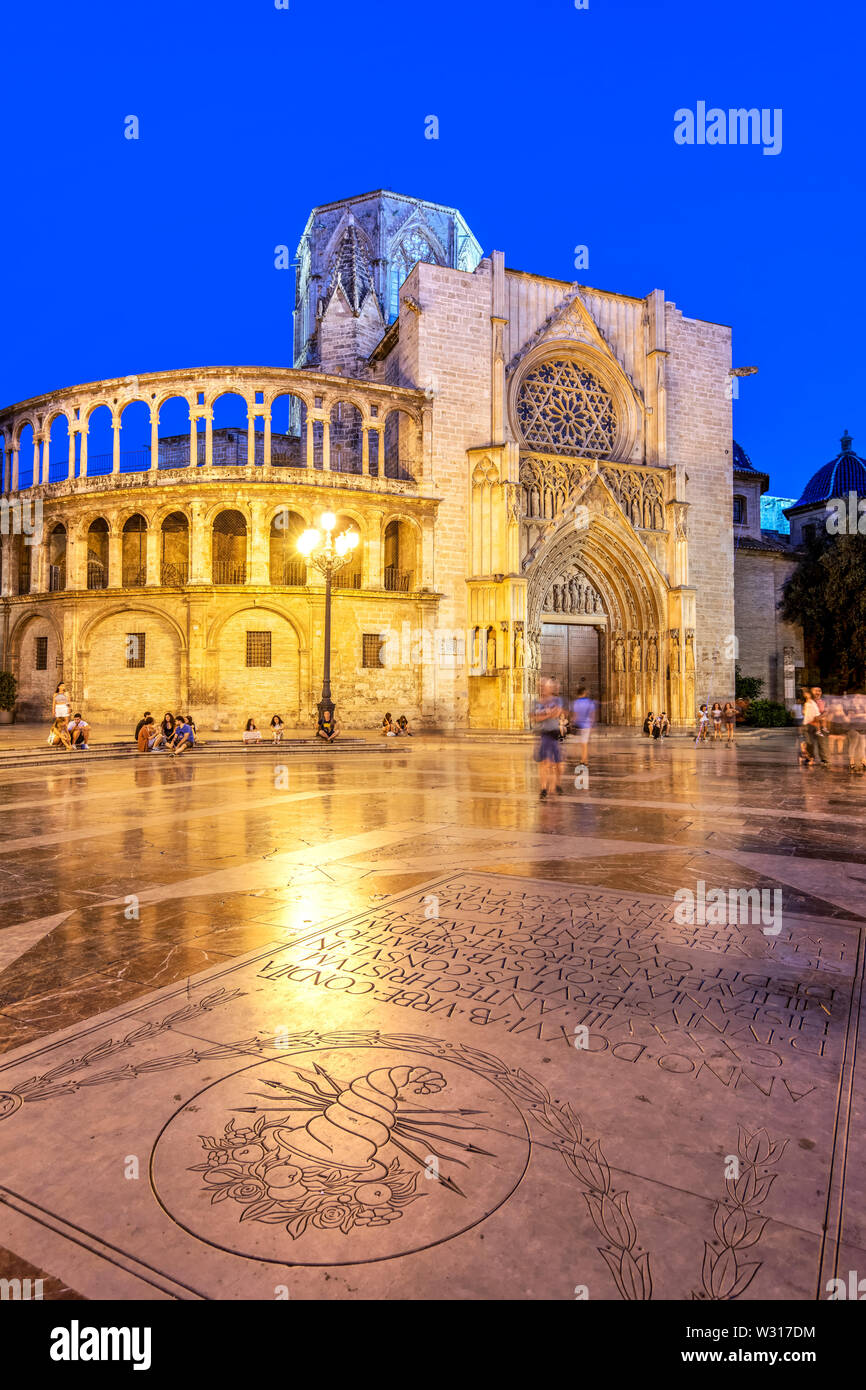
<point x="401" y="549"/>
<point x="257" y="691"/>
<point x="633" y="600"/>
<point x="285" y="565"/>
<point x="35" y="687"/>
<point x="103" y="649"/>
<point x="230" y="530"/>
<point x="346" y="435"/>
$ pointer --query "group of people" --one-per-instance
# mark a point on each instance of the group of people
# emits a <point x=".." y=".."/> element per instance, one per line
<point x="176" y="734"/>
<point x="715" y="718"/>
<point x="553" y="724"/>
<point x="394" y="728"/>
<point x="69" y="732"/>
<point x="656" y="725"/>
<point x="821" y="717"/>
<point x="252" y="733"/>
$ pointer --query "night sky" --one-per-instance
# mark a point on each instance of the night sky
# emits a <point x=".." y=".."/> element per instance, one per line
<point x="556" y="129"/>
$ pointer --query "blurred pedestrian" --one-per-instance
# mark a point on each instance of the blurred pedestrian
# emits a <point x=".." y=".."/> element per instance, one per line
<point x="546" y="714"/>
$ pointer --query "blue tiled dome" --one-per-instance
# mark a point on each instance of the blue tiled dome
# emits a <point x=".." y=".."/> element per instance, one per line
<point x="843" y="474"/>
<point x="742" y="462"/>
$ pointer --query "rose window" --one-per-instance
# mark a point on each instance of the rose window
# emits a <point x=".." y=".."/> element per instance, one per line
<point x="563" y="409"/>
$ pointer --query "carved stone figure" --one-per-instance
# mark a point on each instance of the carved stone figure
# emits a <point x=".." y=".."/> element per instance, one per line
<point x="518" y="648"/>
<point x="675" y="653"/>
<point x="690" y="651"/>
<point x="635" y="654"/>
<point x="491" y="650"/>
<point x="618" y="654"/>
<point x="652" y="656"/>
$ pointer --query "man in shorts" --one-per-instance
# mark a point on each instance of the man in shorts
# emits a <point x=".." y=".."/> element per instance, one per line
<point x="584" y="718"/>
<point x="546" y="715"/>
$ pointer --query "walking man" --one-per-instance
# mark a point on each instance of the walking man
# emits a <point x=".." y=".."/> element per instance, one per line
<point x="546" y="714"/>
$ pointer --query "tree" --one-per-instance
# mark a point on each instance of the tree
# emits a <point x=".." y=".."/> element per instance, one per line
<point x="747" y="687"/>
<point x="826" y="594"/>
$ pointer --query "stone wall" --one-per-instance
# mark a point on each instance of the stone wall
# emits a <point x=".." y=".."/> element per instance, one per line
<point x="699" y="440"/>
<point x="758" y="577"/>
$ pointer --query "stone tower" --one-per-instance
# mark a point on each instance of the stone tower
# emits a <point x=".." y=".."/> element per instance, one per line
<point x="353" y="257"/>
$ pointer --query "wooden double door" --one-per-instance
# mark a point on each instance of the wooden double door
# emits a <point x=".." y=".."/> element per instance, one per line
<point x="571" y="654"/>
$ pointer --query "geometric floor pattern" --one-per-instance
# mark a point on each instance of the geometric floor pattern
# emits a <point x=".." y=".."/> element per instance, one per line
<point x="369" y="1034"/>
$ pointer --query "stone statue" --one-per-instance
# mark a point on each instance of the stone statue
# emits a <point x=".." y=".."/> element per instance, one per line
<point x="690" y="651"/>
<point x="518" y="648"/>
<point x="618" y="655"/>
<point x="675" y="652"/>
<point x="635" y="654"/>
<point x="652" y="656"/>
<point x="491" y="650"/>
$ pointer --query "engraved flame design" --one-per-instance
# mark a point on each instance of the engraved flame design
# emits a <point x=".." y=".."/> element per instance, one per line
<point x="351" y="1130"/>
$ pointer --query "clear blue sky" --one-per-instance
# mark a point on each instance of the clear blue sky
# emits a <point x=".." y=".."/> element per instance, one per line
<point x="556" y="129"/>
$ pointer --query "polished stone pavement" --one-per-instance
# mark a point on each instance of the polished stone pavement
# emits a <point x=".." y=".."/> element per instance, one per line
<point x="391" y="1027"/>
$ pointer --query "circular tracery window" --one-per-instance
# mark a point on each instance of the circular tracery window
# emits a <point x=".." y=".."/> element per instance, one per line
<point x="563" y="409"/>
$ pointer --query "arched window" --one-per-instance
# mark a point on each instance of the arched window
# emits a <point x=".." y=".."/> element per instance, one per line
<point x="411" y="248"/>
<point x="97" y="554"/>
<point x="135" y="552"/>
<point x="399" y="557"/>
<point x="346" y="443"/>
<point x="57" y="559"/>
<point x="287" y="566"/>
<point x="562" y="408"/>
<point x="230" y="548"/>
<point x="175" y="550"/>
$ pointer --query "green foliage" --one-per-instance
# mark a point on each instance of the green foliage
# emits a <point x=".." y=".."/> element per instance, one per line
<point x="767" y="714"/>
<point x="747" y="687"/>
<point x="8" y="690"/>
<point x="827" y="595"/>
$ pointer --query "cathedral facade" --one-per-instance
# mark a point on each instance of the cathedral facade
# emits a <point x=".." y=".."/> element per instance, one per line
<point x="540" y="473"/>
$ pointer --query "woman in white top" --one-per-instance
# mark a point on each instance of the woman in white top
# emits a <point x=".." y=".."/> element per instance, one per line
<point x="60" y="703"/>
<point x="251" y="733"/>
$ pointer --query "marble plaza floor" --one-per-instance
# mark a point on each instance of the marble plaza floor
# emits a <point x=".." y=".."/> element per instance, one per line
<point x="391" y="1027"/>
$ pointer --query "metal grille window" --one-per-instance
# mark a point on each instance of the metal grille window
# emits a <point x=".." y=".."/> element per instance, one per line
<point x="41" y="653"/>
<point x="258" y="649"/>
<point x="371" y="653"/>
<point x="135" y="649"/>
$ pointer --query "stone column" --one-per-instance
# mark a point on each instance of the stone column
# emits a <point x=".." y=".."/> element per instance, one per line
<point x="37" y="476"/>
<point x="115" y="556"/>
<point x="380" y="430"/>
<point x="7" y="550"/>
<point x="200" y="546"/>
<point x="266" y="460"/>
<point x="259" y="545"/>
<point x="154" y="577"/>
<point x="193" y="441"/>
<point x="13" y="482"/>
<point x="309" y="456"/>
<point x="251" y="439"/>
<point x="154" y="440"/>
<point x="70" y="472"/>
<point x="76" y="557"/>
<point x="46" y="448"/>
<point x="82" y="462"/>
<point x="365" y="449"/>
<point x="208" y="440"/>
<point x="326" y="445"/>
<point x="371" y="552"/>
<point x="115" y="462"/>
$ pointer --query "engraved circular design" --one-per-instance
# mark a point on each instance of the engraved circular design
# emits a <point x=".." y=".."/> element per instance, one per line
<point x="562" y="408"/>
<point x="340" y="1155"/>
<point x="9" y="1103"/>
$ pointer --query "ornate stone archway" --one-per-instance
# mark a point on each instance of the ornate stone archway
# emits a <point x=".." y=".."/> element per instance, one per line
<point x="588" y="566"/>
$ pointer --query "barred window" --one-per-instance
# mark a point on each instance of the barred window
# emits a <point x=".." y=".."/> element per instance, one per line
<point x="258" y="649"/>
<point x="41" y="653"/>
<point x="135" y="650"/>
<point x="371" y="652"/>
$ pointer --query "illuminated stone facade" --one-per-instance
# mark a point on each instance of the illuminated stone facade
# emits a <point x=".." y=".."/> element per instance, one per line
<point x="521" y="457"/>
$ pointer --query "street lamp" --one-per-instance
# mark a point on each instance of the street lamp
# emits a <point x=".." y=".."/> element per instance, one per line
<point x="328" y="553"/>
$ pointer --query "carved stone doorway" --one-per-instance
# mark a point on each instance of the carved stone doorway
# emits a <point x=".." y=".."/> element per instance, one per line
<point x="572" y="654"/>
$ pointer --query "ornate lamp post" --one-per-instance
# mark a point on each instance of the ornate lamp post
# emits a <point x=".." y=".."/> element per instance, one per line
<point x="328" y="553"/>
